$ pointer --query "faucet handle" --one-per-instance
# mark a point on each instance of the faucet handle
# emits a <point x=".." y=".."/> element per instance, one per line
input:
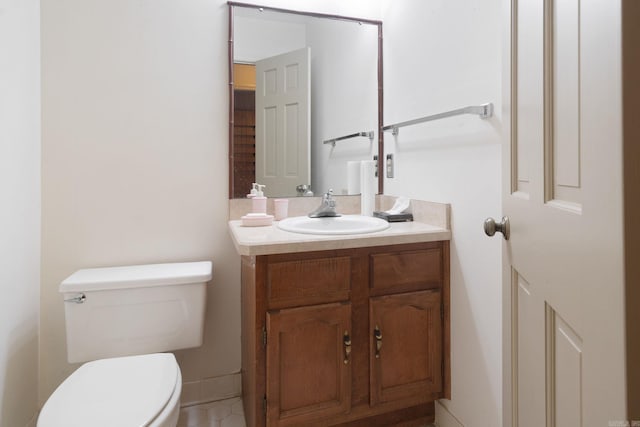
<point x="329" y="200"/>
<point x="328" y="197"/>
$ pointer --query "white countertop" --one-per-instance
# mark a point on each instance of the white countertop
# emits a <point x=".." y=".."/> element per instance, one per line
<point x="272" y="240"/>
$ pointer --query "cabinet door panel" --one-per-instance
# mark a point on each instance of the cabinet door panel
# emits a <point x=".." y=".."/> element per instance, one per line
<point x="406" y="347"/>
<point x="307" y="377"/>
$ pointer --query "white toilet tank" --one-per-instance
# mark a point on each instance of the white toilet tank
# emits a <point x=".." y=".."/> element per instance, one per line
<point x="140" y="309"/>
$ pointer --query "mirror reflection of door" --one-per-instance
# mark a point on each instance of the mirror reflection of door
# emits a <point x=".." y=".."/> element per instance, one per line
<point x="272" y="123"/>
<point x="283" y="117"/>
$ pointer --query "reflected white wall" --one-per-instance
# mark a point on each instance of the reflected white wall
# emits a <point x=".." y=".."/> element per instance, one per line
<point x="344" y="99"/>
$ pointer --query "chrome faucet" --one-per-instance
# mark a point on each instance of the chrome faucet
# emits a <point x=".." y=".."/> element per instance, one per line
<point x="327" y="208"/>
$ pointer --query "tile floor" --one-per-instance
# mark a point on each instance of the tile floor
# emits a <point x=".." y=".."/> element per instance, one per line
<point x="224" y="413"/>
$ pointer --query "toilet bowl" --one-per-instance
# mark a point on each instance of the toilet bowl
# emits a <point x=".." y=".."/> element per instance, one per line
<point x="123" y="391"/>
<point x="119" y="320"/>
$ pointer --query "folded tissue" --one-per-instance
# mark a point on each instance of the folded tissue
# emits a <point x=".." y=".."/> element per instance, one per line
<point x="397" y="212"/>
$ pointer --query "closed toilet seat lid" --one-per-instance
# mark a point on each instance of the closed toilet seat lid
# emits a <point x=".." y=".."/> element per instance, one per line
<point x="123" y="391"/>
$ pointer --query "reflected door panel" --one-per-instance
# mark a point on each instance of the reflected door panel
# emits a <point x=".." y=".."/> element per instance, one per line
<point x="282" y="122"/>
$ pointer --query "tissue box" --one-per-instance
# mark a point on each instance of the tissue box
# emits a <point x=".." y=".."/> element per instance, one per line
<point x="401" y="217"/>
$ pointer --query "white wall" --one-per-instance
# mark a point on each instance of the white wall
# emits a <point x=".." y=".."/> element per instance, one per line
<point x="20" y="209"/>
<point x="135" y="158"/>
<point x="441" y="55"/>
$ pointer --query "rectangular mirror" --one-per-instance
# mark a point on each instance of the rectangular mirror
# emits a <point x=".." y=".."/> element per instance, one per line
<point x="299" y="84"/>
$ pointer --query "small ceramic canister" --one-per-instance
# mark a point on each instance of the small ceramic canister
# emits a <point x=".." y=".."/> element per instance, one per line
<point x="281" y="208"/>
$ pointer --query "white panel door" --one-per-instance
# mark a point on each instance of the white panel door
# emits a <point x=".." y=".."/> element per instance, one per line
<point x="283" y="122"/>
<point x="563" y="265"/>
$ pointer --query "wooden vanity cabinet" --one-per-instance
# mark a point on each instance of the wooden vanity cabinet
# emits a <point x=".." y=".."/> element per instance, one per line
<point x="346" y="337"/>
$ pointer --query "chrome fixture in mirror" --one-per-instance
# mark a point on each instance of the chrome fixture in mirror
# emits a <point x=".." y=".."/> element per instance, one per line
<point x="276" y="134"/>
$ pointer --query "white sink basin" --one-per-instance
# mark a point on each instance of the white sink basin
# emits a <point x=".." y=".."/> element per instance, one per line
<point x="345" y="224"/>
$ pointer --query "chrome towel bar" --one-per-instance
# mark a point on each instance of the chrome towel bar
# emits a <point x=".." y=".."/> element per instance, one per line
<point x="353" y="135"/>
<point x="484" y="111"/>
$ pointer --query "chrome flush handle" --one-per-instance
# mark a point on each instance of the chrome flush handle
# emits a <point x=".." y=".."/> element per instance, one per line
<point x="78" y="300"/>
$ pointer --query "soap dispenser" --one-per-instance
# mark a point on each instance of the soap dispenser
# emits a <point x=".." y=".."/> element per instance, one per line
<point x="259" y="202"/>
<point x="254" y="191"/>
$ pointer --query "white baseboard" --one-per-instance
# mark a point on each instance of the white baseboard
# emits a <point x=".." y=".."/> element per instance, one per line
<point x="444" y="418"/>
<point x="211" y="389"/>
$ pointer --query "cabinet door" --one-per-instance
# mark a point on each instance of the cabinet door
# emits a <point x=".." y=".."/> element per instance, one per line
<point x="406" y="347"/>
<point x="308" y="363"/>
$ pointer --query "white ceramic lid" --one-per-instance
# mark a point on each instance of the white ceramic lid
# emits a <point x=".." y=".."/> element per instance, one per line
<point x="123" y="391"/>
<point x="137" y="276"/>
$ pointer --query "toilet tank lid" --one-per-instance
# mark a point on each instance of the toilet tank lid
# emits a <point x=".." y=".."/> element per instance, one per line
<point x="137" y="276"/>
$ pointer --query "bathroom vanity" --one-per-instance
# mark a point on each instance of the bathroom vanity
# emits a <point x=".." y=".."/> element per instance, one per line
<point x="344" y="330"/>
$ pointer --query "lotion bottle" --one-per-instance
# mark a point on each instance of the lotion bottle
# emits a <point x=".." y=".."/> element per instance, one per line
<point x="259" y="202"/>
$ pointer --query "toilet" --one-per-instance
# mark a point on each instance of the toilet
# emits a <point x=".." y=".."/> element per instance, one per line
<point x="120" y="321"/>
